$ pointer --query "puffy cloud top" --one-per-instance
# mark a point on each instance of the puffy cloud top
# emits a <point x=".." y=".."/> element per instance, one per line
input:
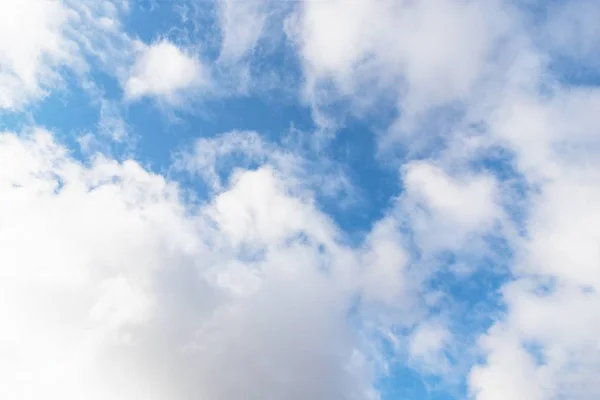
<point x="164" y="71"/>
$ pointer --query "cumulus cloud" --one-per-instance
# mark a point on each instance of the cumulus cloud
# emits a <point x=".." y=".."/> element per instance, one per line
<point x="43" y="42"/>
<point x="397" y="48"/>
<point x="113" y="287"/>
<point x="452" y="208"/>
<point x="34" y="42"/>
<point x="165" y="72"/>
<point x="550" y="306"/>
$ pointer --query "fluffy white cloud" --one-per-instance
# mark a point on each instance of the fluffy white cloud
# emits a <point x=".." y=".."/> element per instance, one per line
<point x="164" y="71"/>
<point x="547" y="346"/>
<point x="112" y="287"/>
<point x="551" y="305"/>
<point x="444" y="211"/>
<point x="41" y="41"/>
<point x="34" y="42"/>
<point x="424" y="53"/>
<point x="386" y="260"/>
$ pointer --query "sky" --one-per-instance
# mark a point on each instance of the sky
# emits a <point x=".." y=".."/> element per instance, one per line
<point x="314" y="199"/>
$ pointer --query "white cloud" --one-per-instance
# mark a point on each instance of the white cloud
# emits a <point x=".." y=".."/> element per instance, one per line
<point x="563" y="328"/>
<point x="444" y="211"/>
<point x="424" y="53"/>
<point x="552" y="303"/>
<point x="242" y="25"/>
<point x="256" y="211"/>
<point x="165" y="72"/>
<point x="42" y="41"/>
<point x="469" y="202"/>
<point x="386" y="261"/>
<point x="510" y="373"/>
<point x="215" y="159"/>
<point x="34" y="43"/>
<point x="112" y="287"/>
<point x="211" y="156"/>
<point x="427" y="344"/>
<point x="102" y="38"/>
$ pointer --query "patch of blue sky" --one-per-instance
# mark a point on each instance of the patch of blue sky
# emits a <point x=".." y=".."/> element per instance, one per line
<point x="406" y="383"/>
<point x="376" y="183"/>
<point x="401" y="380"/>
<point x="69" y="113"/>
<point x="571" y="71"/>
<point x="151" y="20"/>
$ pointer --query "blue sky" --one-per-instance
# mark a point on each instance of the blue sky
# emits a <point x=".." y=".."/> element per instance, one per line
<point x="258" y="199"/>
